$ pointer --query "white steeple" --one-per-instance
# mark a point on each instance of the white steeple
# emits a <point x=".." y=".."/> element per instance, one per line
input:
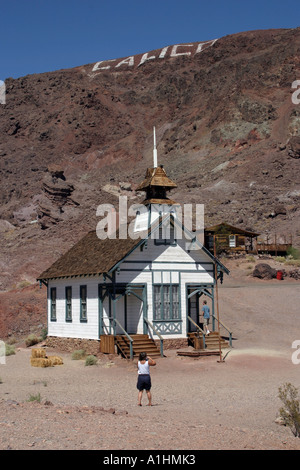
<point x="154" y="150"/>
<point x="156" y="203"/>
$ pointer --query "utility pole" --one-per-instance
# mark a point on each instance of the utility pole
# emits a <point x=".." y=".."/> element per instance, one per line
<point x="217" y="299"/>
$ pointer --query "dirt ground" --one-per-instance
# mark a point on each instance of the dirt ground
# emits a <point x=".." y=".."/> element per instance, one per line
<point x="198" y="403"/>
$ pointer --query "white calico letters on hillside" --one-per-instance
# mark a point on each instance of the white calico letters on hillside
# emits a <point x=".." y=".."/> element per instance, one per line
<point x="177" y="50"/>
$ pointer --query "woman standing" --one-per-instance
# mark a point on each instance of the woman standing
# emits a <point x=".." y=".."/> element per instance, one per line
<point x="144" y="379"/>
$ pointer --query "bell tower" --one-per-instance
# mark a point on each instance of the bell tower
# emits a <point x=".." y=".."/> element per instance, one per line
<point x="156" y="184"/>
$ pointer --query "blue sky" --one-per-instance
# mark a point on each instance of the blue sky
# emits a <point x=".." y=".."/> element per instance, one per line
<point x="40" y="36"/>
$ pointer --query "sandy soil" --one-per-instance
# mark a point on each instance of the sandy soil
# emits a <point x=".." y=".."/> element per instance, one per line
<point x="198" y="403"/>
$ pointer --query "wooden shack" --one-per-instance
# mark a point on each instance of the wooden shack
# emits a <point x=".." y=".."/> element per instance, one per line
<point x="228" y="238"/>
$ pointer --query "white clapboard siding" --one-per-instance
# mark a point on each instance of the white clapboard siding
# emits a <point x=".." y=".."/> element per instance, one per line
<point x="167" y="264"/>
<point x="76" y="328"/>
<point x="169" y="253"/>
<point x="158" y="264"/>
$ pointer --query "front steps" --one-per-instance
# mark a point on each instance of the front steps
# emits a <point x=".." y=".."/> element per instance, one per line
<point x="211" y="341"/>
<point x="141" y="343"/>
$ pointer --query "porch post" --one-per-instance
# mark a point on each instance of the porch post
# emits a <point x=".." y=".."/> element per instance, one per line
<point x="114" y="302"/>
<point x="125" y="311"/>
<point x="109" y="306"/>
<point x="145" y="306"/>
<point x="213" y="307"/>
<point x="100" y="311"/>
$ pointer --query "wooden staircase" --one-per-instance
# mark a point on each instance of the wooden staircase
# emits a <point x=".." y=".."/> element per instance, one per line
<point x="141" y="343"/>
<point x="211" y="341"/>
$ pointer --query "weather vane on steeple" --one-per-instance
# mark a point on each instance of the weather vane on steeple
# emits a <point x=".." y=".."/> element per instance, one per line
<point x="156" y="184"/>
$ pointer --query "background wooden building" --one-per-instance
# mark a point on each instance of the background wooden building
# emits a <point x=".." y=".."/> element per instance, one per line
<point x="229" y="238"/>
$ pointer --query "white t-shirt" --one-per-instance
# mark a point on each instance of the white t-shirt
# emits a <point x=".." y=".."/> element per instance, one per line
<point x="143" y="368"/>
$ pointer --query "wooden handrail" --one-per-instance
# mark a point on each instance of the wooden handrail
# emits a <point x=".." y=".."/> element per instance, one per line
<point x="157" y="334"/>
<point x="227" y="329"/>
<point x="200" y="329"/>
<point x="120" y="347"/>
<point x="224" y="326"/>
<point x="195" y="324"/>
<point x="127" y="335"/>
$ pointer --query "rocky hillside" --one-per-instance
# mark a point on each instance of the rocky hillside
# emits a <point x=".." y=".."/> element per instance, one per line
<point x="228" y="133"/>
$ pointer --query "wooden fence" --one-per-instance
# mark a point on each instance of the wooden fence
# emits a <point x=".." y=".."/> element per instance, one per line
<point x="276" y="244"/>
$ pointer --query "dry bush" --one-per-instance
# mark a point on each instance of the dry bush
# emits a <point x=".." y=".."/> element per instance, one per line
<point x="290" y="412"/>
<point x="78" y="354"/>
<point x="31" y="340"/>
<point x="36" y="398"/>
<point x="9" y="350"/>
<point x="91" y="360"/>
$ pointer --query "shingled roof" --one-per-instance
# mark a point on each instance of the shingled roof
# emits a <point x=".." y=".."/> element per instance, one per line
<point x="89" y="256"/>
<point x="93" y="256"/>
<point x="224" y="228"/>
<point x="156" y="177"/>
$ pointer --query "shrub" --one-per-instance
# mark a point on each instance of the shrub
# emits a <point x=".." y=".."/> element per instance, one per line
<point x="31" y="340"/>
<point x="11" y="340"/>
<point x="290" y="412"/>
<point x="293" y="262"/>
<point x="23" y="284"/>
<point x="44" y="334"/>
<point x="280" y="259"/>
<point x="36" y="398"/>
<point x="293" y="252"/>
<point x="9" y="350"/>
<point x="91" y="360"/>
<point x="79" y="354"/>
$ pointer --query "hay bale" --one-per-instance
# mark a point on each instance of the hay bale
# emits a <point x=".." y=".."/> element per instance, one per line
<point x="40" y="362"/>
<point x="40" y="359"/>
<point x="55" y="360"/>
<point x="38" y="353"/>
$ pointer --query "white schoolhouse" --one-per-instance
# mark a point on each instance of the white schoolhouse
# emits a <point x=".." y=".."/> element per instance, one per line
<point x="126" y="290"/>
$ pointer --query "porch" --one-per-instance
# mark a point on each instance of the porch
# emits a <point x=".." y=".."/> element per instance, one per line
<point x="125" y="325"/>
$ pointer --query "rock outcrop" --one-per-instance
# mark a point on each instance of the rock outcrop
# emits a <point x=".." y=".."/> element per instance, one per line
<point x="294" y="147"/>
<point x="56" y="194"/>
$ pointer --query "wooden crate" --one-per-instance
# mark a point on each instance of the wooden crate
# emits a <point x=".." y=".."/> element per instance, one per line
<point x="107" y="344"/>
<point x="198" y="343"/>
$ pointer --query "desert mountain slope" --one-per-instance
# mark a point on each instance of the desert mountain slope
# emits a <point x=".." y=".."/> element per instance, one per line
<point x="227" y="131"/>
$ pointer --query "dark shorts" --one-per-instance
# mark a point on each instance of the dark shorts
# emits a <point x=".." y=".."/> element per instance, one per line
<point x="144" y="382"/>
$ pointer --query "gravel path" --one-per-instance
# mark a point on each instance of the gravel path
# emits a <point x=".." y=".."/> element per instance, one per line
<point x="198" y="403"/>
